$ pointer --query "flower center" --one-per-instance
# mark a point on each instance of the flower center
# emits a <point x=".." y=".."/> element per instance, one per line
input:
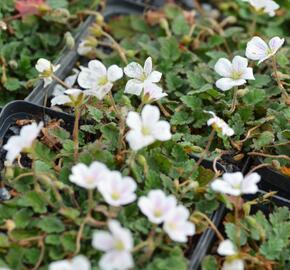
<point x="90" y="179"/>
<point x="269" y="51"/>
<point x="119" y="245"/>
<point x="236" y="75"/>
<point x="47" y="72"/>
<point x="143" y="77"/>
<point x="115" y="195"/>
<point x="157" y="213"/>
<point x="237" y="186"/>
<point x="103" y="80"/>
<point x="145" y="131"/>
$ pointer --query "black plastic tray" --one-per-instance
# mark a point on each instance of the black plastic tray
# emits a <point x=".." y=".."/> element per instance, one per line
<point x="273" y="180"/>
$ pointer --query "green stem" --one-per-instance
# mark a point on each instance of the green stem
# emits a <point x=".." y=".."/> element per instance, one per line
<point x="234" y="101"/>
<point x="280" y="84"/>
<point x="76" y="133"/>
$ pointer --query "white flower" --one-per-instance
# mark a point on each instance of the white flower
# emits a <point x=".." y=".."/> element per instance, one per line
<point x="77" y="263"/>
<point x="117" y="244"/>
<point x="235" y="184"/>
<point x="177" y="226"/>
<point x="267" y="6"/>
<point x="226" y="248"/>
<point x="142" y="78"/>
<point x="234" y="74"/>
<point x="23" y="141"/>
<point x="236" y="264"/>
<point x="117" y="190"/>
<point x="69" y="81"/>
<point x="147" y="128"/>
<point x="85" y="48"/>
<point x="46" y="70"/>
<point x="220" y="124"/>
<point x="258" y="49"/>
<point x="156" y="205"/>
<point x="88" y="177"/>
<point x="152" y="92"/>
<point x="71" y="96"/>
<point x="97" y="79"/>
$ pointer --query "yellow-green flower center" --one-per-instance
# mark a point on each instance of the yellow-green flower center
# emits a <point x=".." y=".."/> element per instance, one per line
<point x="103" y="80"/>
<point x="157" y="213"/>
<point x="236" y="75"/>
<point x="115" y="195"/>
<point x="145" y="131"/>
<point x="119" y="245"/>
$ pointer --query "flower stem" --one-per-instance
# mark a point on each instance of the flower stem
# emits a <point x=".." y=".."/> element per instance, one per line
<point x="116" y="45"/>
<point x="280" y="84"/>
<point x="90" y="201"/>
<point x="61" y="82"/>
<point x="76" y="132"/>
<point x="237" y="221"/>
<point x="211" y="224"/>
<point x="204" y="153"/>
<point x="234" y="101"/>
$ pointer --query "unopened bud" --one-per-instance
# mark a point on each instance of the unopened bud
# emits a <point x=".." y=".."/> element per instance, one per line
<point x="242" y="92"/>
<point x="96" y="30"/>
<point x="186" y="39"/>
<point x="13" y="64"/>
<point x="99" y="18"/>
<point x="196" y="149"/>
<point x="69" y="40"/>
<point x="10" y="225"/>
<point x="141" y="160"/>
<point x="239" y="157"/>
<point x="164" y="24"/>
<point x="276" y="164"/>
<point x="130" y="53"/>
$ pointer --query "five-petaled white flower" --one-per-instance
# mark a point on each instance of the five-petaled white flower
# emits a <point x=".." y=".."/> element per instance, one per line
<point x="69" y="81"/>
<point x="147" y="128"/>
<point x="88" y="177"/>
<point x="236" y="184"/>
<point x="219" y="125"/>
<point x="142" y="78"/>
<point x="72" y="97"/>
<point x="18" y="143"/>
<point x="77" y="263"/>
<point x="234" y="74"/>
<point x="117" y="245"/>
<point x="177" y="226"/>
<point x="227" y="248"/>
<point x="97" y="80"/>
<point x="156" y="205"/>
<point x="46" y="70"/>
<point x="117" y="190"/>
<point x="258" y="49"/>
<point x="267" y="6"/>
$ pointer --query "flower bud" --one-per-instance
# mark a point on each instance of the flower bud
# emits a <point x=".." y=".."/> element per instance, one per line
<point x="9" y="172"/>
<point x="186" y="39"/>
<point x="69" y="40"/>
<point x="10" y="225"/>
<point x="99" y="18"/>
<point x="96" y="30"/>
<point x="276" y="164"/>
<point x="164" y="24"/>
<point x="130" y="53"/>
<point x="242" y="92"/>
<point x="141" y="160"/>
<point x="13" y="64"/>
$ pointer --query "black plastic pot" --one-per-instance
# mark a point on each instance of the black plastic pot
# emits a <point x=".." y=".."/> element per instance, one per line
<point x="272" y="180"/>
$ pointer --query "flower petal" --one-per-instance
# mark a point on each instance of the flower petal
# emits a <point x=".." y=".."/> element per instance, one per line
<point x="80" y="262"/>
<point x="223" y="67"/>
<point x="102" y="240"/>
<point x="116" y="261"/>
<point x="227" y="83"/>
<point x="240" y="64"/>
<point x="137" y="140"/>
<point x="134" y="87"/>
<point x="276" y="43"/>
<point x="154" y="77"/>
<point x="226" y="248"/>
<point x="87" y="79"/>
<point x="249" y="185"/>
<point x="221" y="186"/>
<point x="114" y="73"/>
<point x="236" y="264"/>
<point x="161" y="131"/>
<point x="150" y="115"/>
<point x="98" y="68"/>
<point x="60" y="100"/>
<point x="148" y="66"/>
<point x="134" y="70"/>
<point x="133" y="121"/>
<point x="248" y="74"/>
<point x="256" y="49"/>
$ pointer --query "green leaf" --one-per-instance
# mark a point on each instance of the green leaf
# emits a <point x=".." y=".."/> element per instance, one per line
<point x="180" y="26"/>
<point x="22" y="218"/>
<point x="231" y="231"/>
<point x="51" y="224"/>
<point x="34" y="200"/>
<point x="12" y="84"/>
<point x="195" y="80"/>
<point x="95" y="113"/>
<point x="209" y="263"/>
<point x="254" y="96"/>
<point x="260" y="80"/>
<point x="181" y="118"/>
<point x="265" y="138"/>
<point x="4" y="241"/>
<point x="169" y="49"/>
